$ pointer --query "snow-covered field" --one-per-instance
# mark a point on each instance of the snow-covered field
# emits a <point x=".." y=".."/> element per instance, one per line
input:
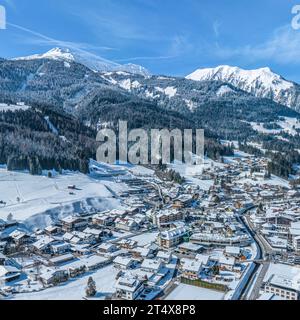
<point x="39" y="199"/>
<point x="187" y="292"/>
<point x="75" y="289"/>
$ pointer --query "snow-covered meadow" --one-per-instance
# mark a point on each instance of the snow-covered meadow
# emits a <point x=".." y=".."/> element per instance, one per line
<point x="38" y="200"/>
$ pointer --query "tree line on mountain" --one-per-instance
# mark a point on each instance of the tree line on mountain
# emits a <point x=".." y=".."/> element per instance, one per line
<point x="27" y="142"/>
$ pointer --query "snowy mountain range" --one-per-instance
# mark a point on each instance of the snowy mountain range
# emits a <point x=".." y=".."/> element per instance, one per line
<point x="89" y="60"/>
<point x="58" y="100"/>
<point x="263" y="83"/>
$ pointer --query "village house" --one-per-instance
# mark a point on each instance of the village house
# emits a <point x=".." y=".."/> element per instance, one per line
<point x="81" y="249"/>
<point x="182" y="201"/>
<point x="52" y="230"/>
<point x="80" y="266"/>
<point x="204" y="259"/>
<point x="59" y="247"/>
<point x="9" y="273"/>
<point x="232" y="251"/>
<point x="79" y="237"/>
<point x="19" y="238"/>
<point x="42" y="245"/>
<point x="141" y="252"/>
<point x="72" y="223"/>
<point x="127" y="243"/>
<point x="189" y="248"/>
<point x="165" y="256"/>
<point x="53" y="277"/>
<point x="95" y="262"/>
<point x="151" y="265"/>
<point x="296" y="244"/>
<point x="94" y="233"/>
<point x="171" y="238"/>
<point x="121" y="262"/>
<point x="190" y="268"/>
<point x="164" y="218"/>
<point x="102" y="219"/>
<point x="61" y="259"/>
<point x="107" y="247"/>
<point x="74" y="268"/>
<point x="226" y="263"/>
<point x="128" y="287"/>
<point x="283" y="286"/>
<point x="126" y="224"/>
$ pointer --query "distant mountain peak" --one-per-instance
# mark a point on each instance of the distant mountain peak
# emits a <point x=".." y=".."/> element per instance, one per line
<point x="90" y="60"/>
<point x="262" y="82"/>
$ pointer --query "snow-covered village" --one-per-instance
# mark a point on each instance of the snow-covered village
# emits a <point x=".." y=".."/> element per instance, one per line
<point x="126" y="232"/>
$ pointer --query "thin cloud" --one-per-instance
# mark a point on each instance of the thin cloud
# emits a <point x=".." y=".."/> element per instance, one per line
<point x="42" y="39"/>
<point x="283" y="47"/>
<point x="216" y="27"/>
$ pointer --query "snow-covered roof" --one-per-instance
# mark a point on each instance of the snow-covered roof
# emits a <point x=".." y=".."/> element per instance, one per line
<point x="4" y="270"/>
<point x="47" y="275"/>
<point x="230" y="261"/>
<point x="123" y="261"/>
<point x="18" y="234"/>
<point x="164" y="254"/>
<point x="144" y="252"/>
<point x="62" y="258"/>
<point x="270" y="296"/>
<point x="284" y="271"/>
<point x="151" y="264"/>
<point x="278" y="242"/>
<point x="43" y="242"/>
<point x="70" y="219"/>
<point x="203" y="258"/>
<point x="173" y="233"/>
<point x="285" y="281"/>
<point x="128" y="283"/>
<point x="106" y="246"/>
<point x="192" y="265"/>
<point x="51" y="228"/>
<point x="190" y="246"/>
<point x="61" y="244"/>
<point x="95" y="232"/>
<point x="232" y="250"/>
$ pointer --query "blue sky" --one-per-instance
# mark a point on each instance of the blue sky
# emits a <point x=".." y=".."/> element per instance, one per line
<point x="165" y="36"/>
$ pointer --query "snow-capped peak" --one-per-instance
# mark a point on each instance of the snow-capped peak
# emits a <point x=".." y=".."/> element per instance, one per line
<point x="261" y="82"/>
<point x="90" y="60"/>
<point x="55" y="53"/>
<point x="250" y="78"/>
